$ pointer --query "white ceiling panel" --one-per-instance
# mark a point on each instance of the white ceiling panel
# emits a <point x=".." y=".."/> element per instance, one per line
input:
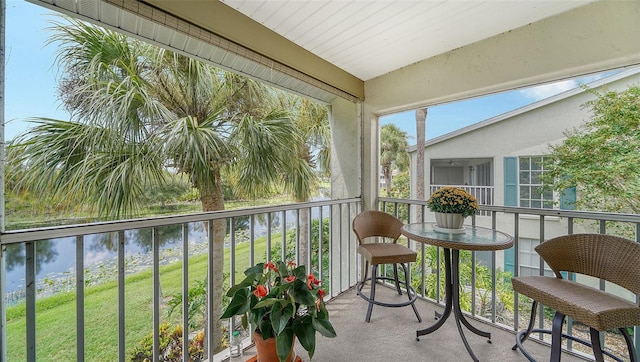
<point x="392" y="34"/>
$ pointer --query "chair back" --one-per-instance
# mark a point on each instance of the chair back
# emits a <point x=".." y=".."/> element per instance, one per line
<point x="607" y="257"/>
<point x="376" y="224"/>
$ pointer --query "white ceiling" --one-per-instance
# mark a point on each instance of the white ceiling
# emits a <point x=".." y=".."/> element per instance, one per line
<point x="393" y="34"/>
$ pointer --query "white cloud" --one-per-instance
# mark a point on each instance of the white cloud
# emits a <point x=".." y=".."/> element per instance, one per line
<point x="545" y="91"/>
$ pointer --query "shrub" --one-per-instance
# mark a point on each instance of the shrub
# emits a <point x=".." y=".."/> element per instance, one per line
<point x="170" y="346"/>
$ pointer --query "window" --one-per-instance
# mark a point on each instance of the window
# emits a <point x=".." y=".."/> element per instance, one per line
<point x="529" y="260"/>
<point x="530" y="184"/>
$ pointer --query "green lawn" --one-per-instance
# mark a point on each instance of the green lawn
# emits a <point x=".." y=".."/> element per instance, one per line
<point x="56" y="315"/>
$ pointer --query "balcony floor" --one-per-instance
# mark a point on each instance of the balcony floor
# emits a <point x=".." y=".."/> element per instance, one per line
<point x="391" y="336"/>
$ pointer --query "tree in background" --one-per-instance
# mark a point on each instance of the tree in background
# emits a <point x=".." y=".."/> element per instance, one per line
<point x="602" y="158"/>
<point x="393" y="152"/>
<point x="313" y="157"/>
<point x="137" y="110"/>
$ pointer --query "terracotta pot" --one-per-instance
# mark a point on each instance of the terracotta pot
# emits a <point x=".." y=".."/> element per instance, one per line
<point x="266" y="349"/>
<point x="449" y="221"/>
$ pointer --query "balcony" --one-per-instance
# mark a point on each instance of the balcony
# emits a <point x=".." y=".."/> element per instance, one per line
<point x="484" y="194"/>
<point x="390" y="336"/>
<point x="249" y="240"/>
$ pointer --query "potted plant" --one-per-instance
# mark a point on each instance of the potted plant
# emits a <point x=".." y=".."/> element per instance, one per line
<point x="281" y="301"/>
<point x="452" y="205"/>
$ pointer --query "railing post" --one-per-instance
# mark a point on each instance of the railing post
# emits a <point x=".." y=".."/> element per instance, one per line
<point x="210" y="303"/>
<point x="185" y="291"/>
<point x="79" y="298"/>
<point x="636" y="329"/>
<point x="516" y="268"/>
<point x="121" y="297"/>
<point x="3" y="305"/>
<point x="156" y="293"/>
<point x="30" y="282"/>
<point x="3" y="292"/>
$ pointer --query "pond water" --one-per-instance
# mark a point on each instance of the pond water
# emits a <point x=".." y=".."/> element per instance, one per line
<point x="56" y="258"/>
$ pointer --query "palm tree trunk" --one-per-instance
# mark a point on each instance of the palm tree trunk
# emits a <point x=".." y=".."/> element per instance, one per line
<point x="387" y="179"/>
<point x="303" y="237"/>
<point x="213" y="200"/>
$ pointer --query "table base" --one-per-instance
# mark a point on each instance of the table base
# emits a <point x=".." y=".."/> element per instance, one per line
<point x="452" y="303"/>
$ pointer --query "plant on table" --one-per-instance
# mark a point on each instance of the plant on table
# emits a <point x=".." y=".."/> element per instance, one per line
<point x="282" y="301"/>
<point x="453" y="200"/>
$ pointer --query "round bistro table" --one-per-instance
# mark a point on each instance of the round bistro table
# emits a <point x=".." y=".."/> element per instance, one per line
<point x="470" y="238"/>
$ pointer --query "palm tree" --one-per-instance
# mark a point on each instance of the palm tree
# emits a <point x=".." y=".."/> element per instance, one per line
<point x="138" y="109"/>
<point x="393" y="152"/>
<point x="313" y="152"/>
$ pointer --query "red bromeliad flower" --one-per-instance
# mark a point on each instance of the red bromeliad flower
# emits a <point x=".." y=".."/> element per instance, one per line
<point x="291" y="263"/>
<point x="290" y="278"/>
<point x="272" y="266"/>
<point x="311" y="281"/>
<point x="321" y="294"/>
<point x="260" y="291"/>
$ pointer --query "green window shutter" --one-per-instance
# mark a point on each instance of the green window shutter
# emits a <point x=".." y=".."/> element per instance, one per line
<point x="510" y="199"/>
<point x="509" y="260"/>
<point x="510" y="181"/>
<point x="568" y="199"/>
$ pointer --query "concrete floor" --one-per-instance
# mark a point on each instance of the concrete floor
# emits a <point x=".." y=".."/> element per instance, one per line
<point x="391" y="336"/>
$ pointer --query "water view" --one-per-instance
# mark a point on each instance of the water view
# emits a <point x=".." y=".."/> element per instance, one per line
<point x="56" y="258"/>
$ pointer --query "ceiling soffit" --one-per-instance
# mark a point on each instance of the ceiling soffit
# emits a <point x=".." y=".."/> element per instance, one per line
<point x="158" y="27"/>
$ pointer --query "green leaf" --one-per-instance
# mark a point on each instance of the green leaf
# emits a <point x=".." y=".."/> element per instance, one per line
<point x="254" y="270"/>
<point x="245" y="321"/>
<point x="302" y="294"/>
<point x="238" y="305"/>
<point x="281" y="313"/>
<point x="284" y="344"/>
<point x="246" y="283"/>
<point x="300" y="272"/>
<point x="306" y="334"/>
<point x="266" y="302"/>
<point x="265" y="328"/>
<point x="324" y="327"/>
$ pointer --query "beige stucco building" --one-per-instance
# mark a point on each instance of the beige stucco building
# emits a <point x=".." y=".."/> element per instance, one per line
<point x="498" y="159"/>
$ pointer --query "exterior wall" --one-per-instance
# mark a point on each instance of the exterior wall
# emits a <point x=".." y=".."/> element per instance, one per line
<point x="528" y="131"/>
<point x="593" y="38"/>
<point x="524" y="132"/>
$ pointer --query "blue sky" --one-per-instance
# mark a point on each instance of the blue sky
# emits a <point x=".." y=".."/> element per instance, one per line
<point x="31" y="83"/>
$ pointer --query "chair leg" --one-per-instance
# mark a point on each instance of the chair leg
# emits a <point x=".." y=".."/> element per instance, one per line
<point x="556" y="337"/>
<point x="595" y="344"/>
<point x="395" y="278"/>
<point x="366" y="271"/>
<point x="407" y="282"/>
<point x="630" y="347"/>
<point x="372" y="297"/>
<point x="532" y="320"/>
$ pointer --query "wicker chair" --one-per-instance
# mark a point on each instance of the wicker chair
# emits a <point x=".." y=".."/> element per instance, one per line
<point x="607" y="257"/>
<point x="385" y="226"/>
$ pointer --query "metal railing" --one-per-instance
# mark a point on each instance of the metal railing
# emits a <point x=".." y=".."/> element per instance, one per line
<point x="500" y="305"/>
<point x="256" y="234"/>
<point x="252" y="235"/>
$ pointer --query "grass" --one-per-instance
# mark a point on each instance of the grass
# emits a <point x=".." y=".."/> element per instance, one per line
<point x="25" y="217"/>
<point x="56" y="315"/>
